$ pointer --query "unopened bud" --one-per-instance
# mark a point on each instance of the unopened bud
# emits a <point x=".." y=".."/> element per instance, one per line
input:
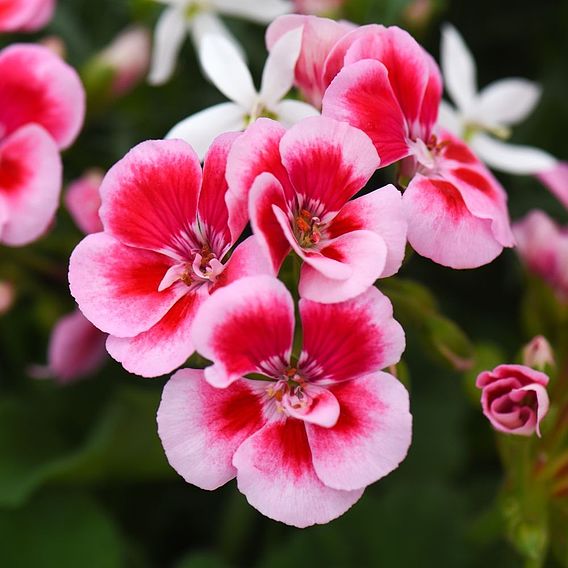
<point x="538" y="353"/>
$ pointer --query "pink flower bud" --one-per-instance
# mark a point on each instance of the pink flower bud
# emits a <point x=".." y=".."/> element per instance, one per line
<point x="7" y="295"/>
<point x="317" y="7"/>
<point x="514" y="398"/>
<point x="83" y="201"/>
<point x="538" y="353"/>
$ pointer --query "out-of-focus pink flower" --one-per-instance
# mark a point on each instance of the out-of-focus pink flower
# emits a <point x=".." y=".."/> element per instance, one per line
<point x="543" y="248"/>
<point x="538" y="353"/>
<point x="167" y="232"/>
<point x="25" y="15"/>
<point x="556" y="180"/>
<point x="298" y="183"/>
<point x="42" y="105"/>
<point x="514" y="398"/>
<point x="7" y="296"/>
<point x="304" y="442"/>
<point x="83" y="201"/>
<point x="418" y="13"/>
<point x="317" y="7"/>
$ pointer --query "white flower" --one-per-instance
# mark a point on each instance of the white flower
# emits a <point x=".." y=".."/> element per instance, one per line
<point x="200" y="18"/>
<point x="484" y="118"/>
<point x="226" y="69"/>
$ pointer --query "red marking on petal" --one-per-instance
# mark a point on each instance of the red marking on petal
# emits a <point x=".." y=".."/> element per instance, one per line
<point x="475" y="180"/>
<point x="12" y="174"/>
<point x="459" y="153"/>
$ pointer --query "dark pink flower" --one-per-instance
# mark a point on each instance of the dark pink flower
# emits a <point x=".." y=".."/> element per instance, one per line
<point x="83" y="201"/>
<point x="306" y="440"/>
<point x="25" y="15"/>
<point x="167" y="232"/>
<point x="514" y="398"/>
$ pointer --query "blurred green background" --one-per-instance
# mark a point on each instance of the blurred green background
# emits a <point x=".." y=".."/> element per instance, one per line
<point x="83" y="479"/>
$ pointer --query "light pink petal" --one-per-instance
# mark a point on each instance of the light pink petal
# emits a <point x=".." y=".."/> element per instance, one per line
<point x="350" y="339"/>
<point x="42" y="15"/>
<point x="165" y="346"/>
<point x="150" y="197"/>
<point x="275" y="472"/>
<point x="327" y="161"/>
<point x="30" y="184"/>
<point x="362" y="96"/>
<point x="542" y="403"/>
<point x="380" y="211"/>
<point x="201" y="427"/>
<point x="323" y="409"/>
<point x="556" y="180"/>
<point x="37" y="86"/>
<point x="371" y="437"/>
<point x="76" y="348"/>
<point x="245" y="327"/>
<point x="83" y="201"/>
<point x="116" y="286"/>
<point x="15" y="14"/>
<point x="441" y="228"/>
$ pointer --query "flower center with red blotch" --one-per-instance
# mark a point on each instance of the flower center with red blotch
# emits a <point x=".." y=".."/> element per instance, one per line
<point x="307" y="228"/>
<point x="427" y="153"/>
<point x="289" y="393"/>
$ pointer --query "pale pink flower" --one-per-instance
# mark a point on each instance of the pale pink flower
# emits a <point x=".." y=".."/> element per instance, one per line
<point x="304" y="442"/>
<point x="538" y="353"/>
<point x="298" y="184"/>
<point x="167" y="232"/>
<point x="556" y="180"/>
<point x="514" y="398"/>
<point x="25" y="15"/>
<point x="42" y="105"/>
<point x="317" y="7"/>
<point x="83" y="201"/>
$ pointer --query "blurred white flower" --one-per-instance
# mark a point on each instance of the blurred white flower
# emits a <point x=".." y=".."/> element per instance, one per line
<point x="484" y="118"/>
<point x="228" y="72"/>
<point x="199" y="18"/>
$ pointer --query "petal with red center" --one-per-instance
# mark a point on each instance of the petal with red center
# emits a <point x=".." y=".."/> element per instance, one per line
<point x="116" y="286"/>
<point x="276" y="474"/>
<point x="328" y="162"/>
<point x="38" y="86"/>
<point x="149" y="198"/>
<point x="165" y="346"/>
<point x="362" y="96"/>
<point x="42" y="15"/>
<point x="16" y="14"/>
<point x="350" y="339"/>
<point x="371" y="437"/>
<point x="245" y="327"/>
<point x="441" y="227"/>
<point x="30" y="184"/>
<point x="381" y="212"/>
<point x="201" y="427"/>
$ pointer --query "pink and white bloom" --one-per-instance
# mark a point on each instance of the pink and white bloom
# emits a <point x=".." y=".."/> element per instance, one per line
<point x="556" y="180"/>
<point x="199" y="18"/>
<point x="229" y="73"/>
<point x="306" y="440"/>
<point x="484" y="118"/>
<point x="514" y="398"/>
<point x="42" y="105"/>
<point x="383" y="82"/>
<point x="83" y="201"/>
<point x="167" y="232"/>
<point x="25" y="15"/>
<point x="298" y="184"/>
<point x="543" y="248"/>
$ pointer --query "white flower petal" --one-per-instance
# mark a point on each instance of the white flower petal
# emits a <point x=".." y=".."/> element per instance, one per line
<point x="226" y="69"/>
<point x="458" y="68"/>
<point x="278" y="74"/>
<point x="289" y="112"/>
<point x="207" y="23"/>
<point x="202" y="128"/>
<point x="511" y="158"/>
<point x="506" y="102"/>
<point x="168" y="38"/>
<point x="261" y="11"/>
<point x="450" y="119"/>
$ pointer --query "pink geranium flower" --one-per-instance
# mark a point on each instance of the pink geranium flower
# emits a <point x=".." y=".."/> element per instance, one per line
<point x="25" y="15"/>
<point x="83" y="201"/>
<point x="514" y="398"/>
<point x="306" y="440"/>
<point x="298" y="183"/>
<point x="42" y="105"/>
<point x="382" y="81"/>
<point x="167" y="232"/>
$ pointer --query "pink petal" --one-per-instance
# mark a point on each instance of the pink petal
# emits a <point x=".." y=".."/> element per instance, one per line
<point x="371" y="437"/>
<point x="165" y="346"/>
<point x="37" y="86"/>
<point x="362" y="96"/>
<point x="83" y="201"/>
<point x="350" y="339"/>
<point x="14" y="14"/>
<point x="150" y="197"/>
<point x="323" y="409"/>
<point x="201" y="427"/>
<point x="245" y="327"/>
<point x="380" y="211"/>
<point x="275" y="472"/>
<point x="327" y="161"/>
<point x="441" y="227"/>
<point x="116" y="286"/>
<point x="542" y="404"/>
<point x="42" y="15"/>
<point x="556" y="180"/>
<point x="30" y="184"/>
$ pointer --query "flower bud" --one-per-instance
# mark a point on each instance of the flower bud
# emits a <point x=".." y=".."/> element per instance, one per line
<point x="538" y="353"/>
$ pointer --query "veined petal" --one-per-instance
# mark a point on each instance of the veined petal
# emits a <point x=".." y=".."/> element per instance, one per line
<point x="201" y="427"/>
<point x="261" y="11"/>
<point x="290" y="112"/>
<point x="371" y="437"/>
<point x="245" y="327"/>
<point x="347" y="340"/>
<point x="275" y="472"/>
